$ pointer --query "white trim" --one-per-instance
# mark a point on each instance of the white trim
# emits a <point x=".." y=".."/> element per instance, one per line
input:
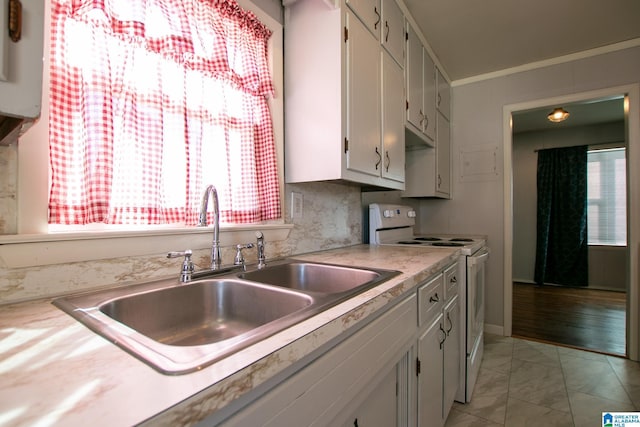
<point x="494" y="330"/>
<point x="632" y="113"/>
<point x="547" y="62"/>
<point x="21" y="251"/>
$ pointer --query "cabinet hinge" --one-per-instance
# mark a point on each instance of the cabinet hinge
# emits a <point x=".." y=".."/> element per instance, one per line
<point x="346" y="34"/>
<point x="417" y="367"/>
<point x="407" y="106"/>
<point x="406" y="35"/>
<point x="346" y="145"/>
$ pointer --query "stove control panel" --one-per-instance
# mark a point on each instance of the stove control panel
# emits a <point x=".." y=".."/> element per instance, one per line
<point x="386" y="216"/>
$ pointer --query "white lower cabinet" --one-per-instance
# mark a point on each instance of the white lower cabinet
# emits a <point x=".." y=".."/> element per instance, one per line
<point x="401" y="369"/>
<point x="379" y="407"/>
<point x="438" y="358"/>
<point x="430" y="373"/>
<point x="337" y="387"/>
<point x="451" y="368"/>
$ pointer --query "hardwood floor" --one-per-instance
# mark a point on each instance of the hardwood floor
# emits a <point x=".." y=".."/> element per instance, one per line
<point x="582" y="318"/>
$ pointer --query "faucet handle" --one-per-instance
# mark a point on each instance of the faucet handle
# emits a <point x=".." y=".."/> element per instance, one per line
<point x="260" y="246"/>
<point x="187" y="268"/>
<point x="239" y="259"/>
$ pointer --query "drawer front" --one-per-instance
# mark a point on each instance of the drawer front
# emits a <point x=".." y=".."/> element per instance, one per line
<point x="452" y="281"/>
<point x="430" y="299"/>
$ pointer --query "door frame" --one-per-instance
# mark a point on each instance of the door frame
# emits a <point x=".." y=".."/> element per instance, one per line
<point x="632" y="118"/>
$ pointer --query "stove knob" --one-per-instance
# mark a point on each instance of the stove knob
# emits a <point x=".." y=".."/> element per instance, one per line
<point x="411" y="214"/>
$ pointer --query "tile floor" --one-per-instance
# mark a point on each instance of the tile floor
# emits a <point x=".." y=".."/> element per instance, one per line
<point x="526" y="383"/>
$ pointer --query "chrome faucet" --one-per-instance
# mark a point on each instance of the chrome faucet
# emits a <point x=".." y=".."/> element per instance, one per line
<point x="210" y="191"/>
<point x="260" y="249"/>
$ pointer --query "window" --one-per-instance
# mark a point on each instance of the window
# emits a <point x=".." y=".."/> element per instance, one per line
<point x="607" y="197"/>
<point x="188" y="110"/>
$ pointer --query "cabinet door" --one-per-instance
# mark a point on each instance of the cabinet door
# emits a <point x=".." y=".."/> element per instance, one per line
<point x="451" y="354"/>
<point x="21" y="62"/>
<point x="369" y="12"/>
<point x="363" y="99"/>
<point x="379" y="408"/>
<point x="393" y="35"/>
<point x="429" y="101"/>
<point x="393" y="119"/>
<point x="443" y="100"/>
<point x="430" y="354"/>
<point x="443" y="163"/>
<point x="414" y="74"/>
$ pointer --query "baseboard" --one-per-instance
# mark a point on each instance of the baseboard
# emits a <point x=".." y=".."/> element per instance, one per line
<point x="494" y="329"/>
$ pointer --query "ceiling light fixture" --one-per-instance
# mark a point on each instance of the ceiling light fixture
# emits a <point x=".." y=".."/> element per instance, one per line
<point x="558" y="115"/>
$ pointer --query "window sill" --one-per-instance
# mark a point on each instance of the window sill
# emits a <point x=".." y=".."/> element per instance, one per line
<point x="19" y="251"/>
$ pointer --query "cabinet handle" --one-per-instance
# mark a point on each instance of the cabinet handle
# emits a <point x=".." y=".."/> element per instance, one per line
<point x="422" y="117"/>
<point x="444" y="336"/>
<point x="388" y="160"/>
<point x="355" y="423"/>
<point x="450" y="323"/>
<point x="15" y="20"/>
<point x="434" y="298"/>
<point x="386" y="37"/>
<point x="453" y="279"/>
<point x="439" y="180"/>
<point x="439" y="99"/>
<point x="379" y="158"/>
<point x="375" y="25"/>
<point x="426" y="125"/>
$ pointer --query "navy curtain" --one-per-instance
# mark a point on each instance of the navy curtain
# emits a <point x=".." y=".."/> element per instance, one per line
<point x="561" y="250"/>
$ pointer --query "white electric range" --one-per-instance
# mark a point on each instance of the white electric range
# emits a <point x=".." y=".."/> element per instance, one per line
<point x="394" y="225"/>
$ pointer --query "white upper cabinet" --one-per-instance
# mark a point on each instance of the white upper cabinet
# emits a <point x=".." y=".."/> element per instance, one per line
<point x="20" y="68"/>
<point x="443" y="158"/>
<point x="21" y="61"/>
<point x="443" y="99"/>
<point x="370" y="13"/>
<point x="392" y="120"/>
<point x="344" y="106"/>
<point x="364" y="153"/>
<point x="421" y="93"/>
<point x="393" y="32"/>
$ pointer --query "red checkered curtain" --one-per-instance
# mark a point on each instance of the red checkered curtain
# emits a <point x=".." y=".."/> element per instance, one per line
<point x="151" y="101"/>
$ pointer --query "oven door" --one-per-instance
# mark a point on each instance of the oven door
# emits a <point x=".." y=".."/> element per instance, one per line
<point x="475" y="294"/>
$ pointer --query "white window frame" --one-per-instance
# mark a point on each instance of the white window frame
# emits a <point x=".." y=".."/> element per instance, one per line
<point x="35" y="245"/>
<point x="590" y="243"/>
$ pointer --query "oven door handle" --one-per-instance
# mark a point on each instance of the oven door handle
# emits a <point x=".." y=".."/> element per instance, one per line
<point x="479" y="257"/>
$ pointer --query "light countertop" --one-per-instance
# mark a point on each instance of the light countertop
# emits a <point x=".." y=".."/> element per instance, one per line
<point x="54" y="370"/>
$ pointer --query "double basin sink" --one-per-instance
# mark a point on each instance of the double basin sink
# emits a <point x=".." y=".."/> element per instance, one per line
<point x="179" y="328"/>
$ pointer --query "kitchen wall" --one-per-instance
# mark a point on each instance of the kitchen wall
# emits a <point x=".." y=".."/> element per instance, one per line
<point x="607" y="265"/>
<point x="477" y="124"/>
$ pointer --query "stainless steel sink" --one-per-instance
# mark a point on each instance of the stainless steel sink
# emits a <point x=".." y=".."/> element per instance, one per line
<point x="204" y="312"/>
<point x="313" y="277"/>
<point x="178" y="328"/>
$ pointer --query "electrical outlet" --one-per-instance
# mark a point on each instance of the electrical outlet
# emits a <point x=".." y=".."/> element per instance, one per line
<point x="296" y="205"/>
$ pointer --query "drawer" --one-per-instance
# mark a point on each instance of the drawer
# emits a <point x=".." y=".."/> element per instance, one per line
<point x="430" y="299"/>
<point x="452" y="281"/>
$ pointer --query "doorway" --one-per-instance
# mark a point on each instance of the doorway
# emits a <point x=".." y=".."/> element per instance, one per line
<point x="631" y="101"/>
<point x="576" y="297"/>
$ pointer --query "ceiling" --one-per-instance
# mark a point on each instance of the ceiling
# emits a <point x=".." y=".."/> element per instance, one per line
<point x="580" y="114"/>
<point x="475" y="37"/>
